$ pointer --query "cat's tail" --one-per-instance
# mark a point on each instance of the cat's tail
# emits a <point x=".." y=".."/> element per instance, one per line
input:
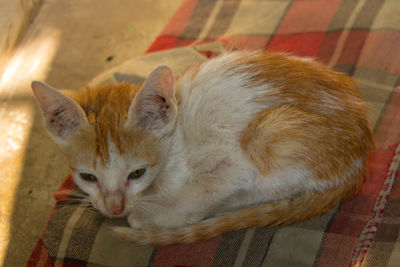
<point x="283" y="212"/>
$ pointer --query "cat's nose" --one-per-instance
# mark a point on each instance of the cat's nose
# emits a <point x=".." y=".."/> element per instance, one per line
<point x="114" y="203"/>
<point x="117" y="211"/>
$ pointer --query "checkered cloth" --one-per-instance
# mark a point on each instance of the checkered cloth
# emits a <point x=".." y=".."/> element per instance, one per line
<point x="358" y="37"/>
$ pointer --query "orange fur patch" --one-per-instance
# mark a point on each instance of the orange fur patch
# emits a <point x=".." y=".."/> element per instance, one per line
<point x="318" y="118"/>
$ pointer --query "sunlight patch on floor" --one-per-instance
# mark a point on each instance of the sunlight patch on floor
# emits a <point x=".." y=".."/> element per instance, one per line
<point x="29" y="62"/>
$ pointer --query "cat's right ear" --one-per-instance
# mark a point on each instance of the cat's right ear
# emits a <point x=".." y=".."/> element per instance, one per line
<point x="63" y="117"/>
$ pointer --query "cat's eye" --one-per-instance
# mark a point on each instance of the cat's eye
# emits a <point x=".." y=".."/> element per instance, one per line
<point x="136" y="174"/>
<point x="88" y="177"/>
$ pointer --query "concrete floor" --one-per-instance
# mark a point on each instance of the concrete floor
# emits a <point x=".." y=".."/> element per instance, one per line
<point x="67" y="44"/>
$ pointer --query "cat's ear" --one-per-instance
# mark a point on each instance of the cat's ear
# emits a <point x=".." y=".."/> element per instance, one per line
<point x="63" y="117"/>
<point x="154" y="106"/>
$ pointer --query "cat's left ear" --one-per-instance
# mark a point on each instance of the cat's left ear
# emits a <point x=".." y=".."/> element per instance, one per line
<point x="154" y="106"/>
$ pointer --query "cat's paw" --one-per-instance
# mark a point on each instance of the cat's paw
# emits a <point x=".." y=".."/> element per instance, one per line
<point x="175" y="220"/>
<point x="194" y="218"/>
<point x="135" y="222"/>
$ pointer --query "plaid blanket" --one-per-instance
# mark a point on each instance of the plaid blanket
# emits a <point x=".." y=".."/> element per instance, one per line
<point x="358" y="37"/>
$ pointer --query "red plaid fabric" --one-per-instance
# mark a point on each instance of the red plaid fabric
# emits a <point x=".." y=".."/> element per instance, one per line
<point x="360" y="38"/>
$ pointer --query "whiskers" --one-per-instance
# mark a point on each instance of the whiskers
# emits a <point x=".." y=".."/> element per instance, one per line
<point x="74" y="198"/>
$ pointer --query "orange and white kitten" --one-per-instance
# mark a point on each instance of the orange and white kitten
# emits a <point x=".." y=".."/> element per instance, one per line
<point x="242" y="140"/>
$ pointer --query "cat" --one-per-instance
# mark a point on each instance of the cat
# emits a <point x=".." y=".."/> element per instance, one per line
<point x="242" y="140"/>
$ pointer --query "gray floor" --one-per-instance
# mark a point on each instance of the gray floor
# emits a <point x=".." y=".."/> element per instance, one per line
<point x="67" y="44"/>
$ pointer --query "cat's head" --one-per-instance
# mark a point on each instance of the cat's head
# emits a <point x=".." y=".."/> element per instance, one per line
<point x="114" y="137"/>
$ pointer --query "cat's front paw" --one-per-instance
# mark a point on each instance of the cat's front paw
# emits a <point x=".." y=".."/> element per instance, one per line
<point x="135" y="222"/>
<point x="175" y="220"/>
<point x="194" y="218"/>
